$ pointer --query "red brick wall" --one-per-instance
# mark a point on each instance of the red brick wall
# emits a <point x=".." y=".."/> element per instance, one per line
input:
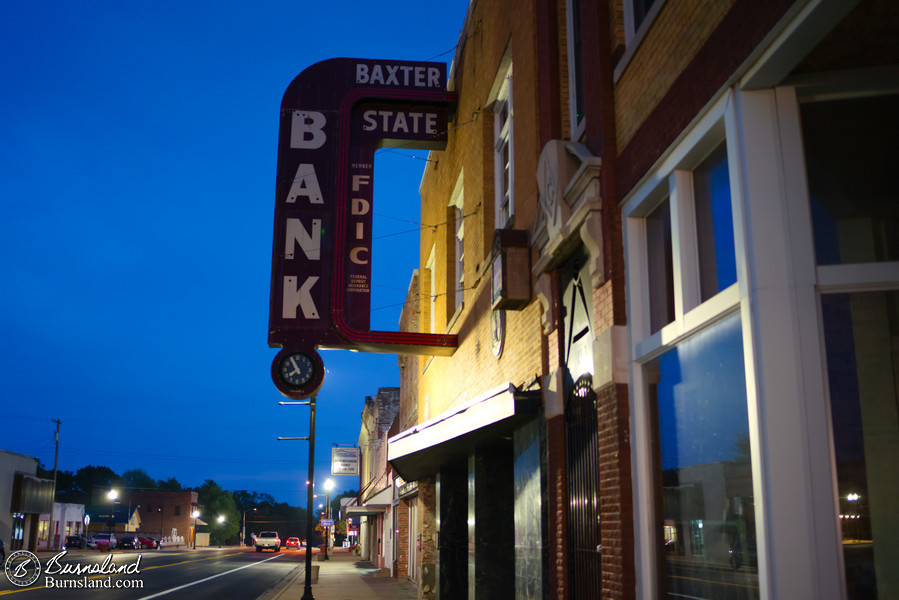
<point x="401" y="566"/>
<point x="615" y="498"/>
<point x="558" y="507"/>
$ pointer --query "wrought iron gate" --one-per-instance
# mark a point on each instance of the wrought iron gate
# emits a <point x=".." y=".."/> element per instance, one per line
<point x="584" y="559"/>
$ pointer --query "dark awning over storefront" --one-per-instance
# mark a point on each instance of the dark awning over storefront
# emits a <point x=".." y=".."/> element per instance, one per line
<point x="366" y="511"/>
<point x="375" y="504"/>
<point x="421" y="450"/>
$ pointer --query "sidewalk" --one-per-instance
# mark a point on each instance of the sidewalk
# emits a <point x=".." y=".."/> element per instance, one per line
<point x="344" y="577"/>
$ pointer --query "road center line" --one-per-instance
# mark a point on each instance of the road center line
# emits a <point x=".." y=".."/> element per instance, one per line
<point x="187" y="585"/>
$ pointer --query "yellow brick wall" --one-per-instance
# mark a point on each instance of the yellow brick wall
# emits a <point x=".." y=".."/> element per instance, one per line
<point x="676" y="35"/>
<point x="473" y="369"/>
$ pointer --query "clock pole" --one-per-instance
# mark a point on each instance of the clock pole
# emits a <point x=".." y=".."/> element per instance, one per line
<point x="307" y="592"/>
<point x="310" y="488"/>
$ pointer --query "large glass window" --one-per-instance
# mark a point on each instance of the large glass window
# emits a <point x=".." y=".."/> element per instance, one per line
<point x="861" y="332"/>
<point x="705" y="512"/>
<point x="850" y="148"/>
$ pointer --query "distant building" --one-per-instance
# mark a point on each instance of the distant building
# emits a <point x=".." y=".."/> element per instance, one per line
<point x="23" y="497"/>
<point x="68" y="519"/>
<point x="121" y="518"/>
<point x="374" y="510"/>
<point x="166" y="514"/>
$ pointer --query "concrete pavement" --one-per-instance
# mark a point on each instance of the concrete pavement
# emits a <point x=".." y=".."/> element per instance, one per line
<point x="344" y="577"/>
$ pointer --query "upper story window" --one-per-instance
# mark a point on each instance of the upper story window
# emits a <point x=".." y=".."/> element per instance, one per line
<point x="430" y="284"/>
<point x="689" y="236"/>
<point x="457" y="228"/>
<point x="636" y="13"/>
<point x="575" y="69"/>
<point x="503" y="150"/>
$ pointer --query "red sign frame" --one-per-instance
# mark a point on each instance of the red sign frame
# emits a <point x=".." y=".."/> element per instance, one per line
<point x="320" y="289"/>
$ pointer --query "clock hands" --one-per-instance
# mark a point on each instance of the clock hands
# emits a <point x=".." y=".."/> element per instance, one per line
<point x="296" y="369"/>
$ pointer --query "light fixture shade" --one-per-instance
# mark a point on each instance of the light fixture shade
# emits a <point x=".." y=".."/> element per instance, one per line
<point x="511" y="270"/>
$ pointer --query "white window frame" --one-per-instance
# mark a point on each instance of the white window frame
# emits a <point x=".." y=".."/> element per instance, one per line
<point x="672" y="178"/>
<point x="432" y="291"/>
<point x="457" y="206"/>
<point x="778" y="297"/>
<point x="633" y="36"/>
<point x="503" y="136"/>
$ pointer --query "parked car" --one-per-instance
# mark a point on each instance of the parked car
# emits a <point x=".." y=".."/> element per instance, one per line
<point x="91" y="541"/>
<point x="148" y="543"/>
<point x="268" y="539"/>
<point x="129" y="541"/>
<point x="105" y="541"/>
<point x="292" y="542"/>
<point x="76" y="541"/>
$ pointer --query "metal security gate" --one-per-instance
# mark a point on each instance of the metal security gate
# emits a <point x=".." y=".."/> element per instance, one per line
<point x="584" y="561"/>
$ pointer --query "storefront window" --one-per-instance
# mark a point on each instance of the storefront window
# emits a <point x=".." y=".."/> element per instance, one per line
<point x="861" y="331"/>
<point x="705" y="518"/>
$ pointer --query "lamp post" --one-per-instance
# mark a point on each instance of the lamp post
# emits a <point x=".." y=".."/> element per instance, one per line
<point x="110" y="522"/>
<point x="329" y="485"/>
<point x="243" y="531"/>
<point x="195" y="514"/>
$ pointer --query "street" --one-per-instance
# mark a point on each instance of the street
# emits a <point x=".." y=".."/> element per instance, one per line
<point x="705" y="581"/>
<point x="210" y="573"/>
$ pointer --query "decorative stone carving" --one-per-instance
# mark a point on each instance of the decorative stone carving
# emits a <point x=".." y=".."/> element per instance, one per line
<point x="554" y="171"/>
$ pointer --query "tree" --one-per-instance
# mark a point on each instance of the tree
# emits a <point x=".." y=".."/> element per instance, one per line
<point x="138" y="479"/>
<point x="215" y="503"/>
<point x="169" y="485"/>
<point x="92" y="483"/>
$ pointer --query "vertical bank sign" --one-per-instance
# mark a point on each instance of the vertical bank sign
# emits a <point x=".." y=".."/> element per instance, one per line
<point x="334" y="115"/>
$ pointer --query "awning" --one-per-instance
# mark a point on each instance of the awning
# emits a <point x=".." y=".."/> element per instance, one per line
<point x="366" y="511"/>
<point x="420" y="451"/>
<point x="375" y="504"/>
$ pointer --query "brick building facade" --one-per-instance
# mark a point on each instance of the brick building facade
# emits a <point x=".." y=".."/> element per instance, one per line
<point x="697" y="383"/>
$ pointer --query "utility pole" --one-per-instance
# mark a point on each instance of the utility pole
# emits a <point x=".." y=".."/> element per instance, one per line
<point x="51" y="536"/>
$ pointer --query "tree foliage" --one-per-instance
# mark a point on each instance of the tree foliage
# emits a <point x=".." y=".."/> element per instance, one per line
<point x="138" y="479"/>
<point x="218" y="509"/>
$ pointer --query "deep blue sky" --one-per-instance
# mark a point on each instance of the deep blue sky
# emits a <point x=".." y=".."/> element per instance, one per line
<point x="137" y="166"/>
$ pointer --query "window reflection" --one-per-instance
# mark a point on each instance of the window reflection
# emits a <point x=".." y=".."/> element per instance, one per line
<point x="704" y="473"/>
<point x="714" y="224"/>
<point x="850" y="148"/>
<point x="661" y="266"/>
<point x="861" y="332"/>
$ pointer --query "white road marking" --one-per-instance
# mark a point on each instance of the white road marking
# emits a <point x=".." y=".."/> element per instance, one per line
<point x="187" y="585"/>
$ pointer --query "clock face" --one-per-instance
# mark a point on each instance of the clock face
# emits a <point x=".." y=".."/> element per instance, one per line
<point x="498" y="332"/>
<point x="297" y="369"/>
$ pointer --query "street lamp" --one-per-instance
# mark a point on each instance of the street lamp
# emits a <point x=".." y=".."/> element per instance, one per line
<point x="195" y="514"/>
<point x="243" y="531"/>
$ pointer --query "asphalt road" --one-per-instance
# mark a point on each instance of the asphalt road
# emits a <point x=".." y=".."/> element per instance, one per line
<point x="711" y="582"/>
<point x="195" y="574"/>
